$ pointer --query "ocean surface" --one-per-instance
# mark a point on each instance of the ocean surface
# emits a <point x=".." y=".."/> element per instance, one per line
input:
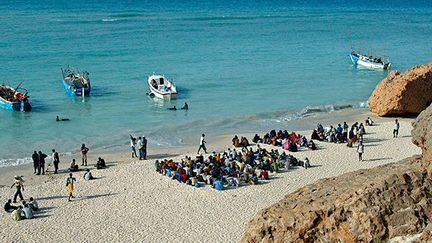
<point x="241" y="66"/>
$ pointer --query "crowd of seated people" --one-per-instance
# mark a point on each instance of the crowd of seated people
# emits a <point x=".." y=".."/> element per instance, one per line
<point x="232" y="167"/>
<point x="340" y="134"/>
<point x="288" y="141"/>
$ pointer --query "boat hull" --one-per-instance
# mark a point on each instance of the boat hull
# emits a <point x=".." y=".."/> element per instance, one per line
<point x="359" y="60"/>
<point x="23" y="106"/>
<point x="75" y="92"/>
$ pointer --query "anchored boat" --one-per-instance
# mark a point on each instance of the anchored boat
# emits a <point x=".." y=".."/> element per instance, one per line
<point x="76" y="82"/>
<point x="14" y="99"/>
<point x="161" y="87"/>
<point x="369" y="61"/>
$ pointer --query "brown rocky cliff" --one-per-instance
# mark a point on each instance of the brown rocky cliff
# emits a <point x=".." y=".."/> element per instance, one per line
<point x="371" y="205"/>
<point x="403" y="94"/>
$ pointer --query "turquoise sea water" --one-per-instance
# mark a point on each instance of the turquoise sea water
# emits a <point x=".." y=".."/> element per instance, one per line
<point x="240" y="65"/>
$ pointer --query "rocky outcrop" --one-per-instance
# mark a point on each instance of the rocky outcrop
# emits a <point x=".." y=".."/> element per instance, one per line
<point x="405" y="94"/>
<point x="422" y="133"/>
<point x="363" y="206"/>
<point x="390" y="202"/>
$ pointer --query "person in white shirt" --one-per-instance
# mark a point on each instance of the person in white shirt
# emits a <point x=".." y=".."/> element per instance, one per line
<point x="28" y="212"/>
<point x="88" y="175"/>
<point x="202" y="144"/>
<point x="33" y="204"/>
<point x="360" y="150"/>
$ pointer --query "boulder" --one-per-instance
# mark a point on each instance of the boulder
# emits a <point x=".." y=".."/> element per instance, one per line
<point x="405" y="94"/>
<point x="372" y="205"/>
<point x="422" y="133"/>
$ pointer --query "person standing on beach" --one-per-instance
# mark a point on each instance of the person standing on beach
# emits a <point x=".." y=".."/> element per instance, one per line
<point x="345" y="131"/>
<point x="202" y="144"/>
<point x="144" y="148"/>
<point x="360" y="150"/>
<point x="133" y="145"/>
<point x="140" y="148"/>
<point x="19" y="184"/>
<point x="35" y="158"/>
<point x="70" y="186"/>
<point x="396" y="129"/>
<point x="84" y="151"/>
<point x="42" y="157"/>
<point x="56" y="160"/>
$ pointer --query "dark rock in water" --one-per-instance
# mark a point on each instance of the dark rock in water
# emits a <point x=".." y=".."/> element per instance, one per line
<point x="405" y="94"/>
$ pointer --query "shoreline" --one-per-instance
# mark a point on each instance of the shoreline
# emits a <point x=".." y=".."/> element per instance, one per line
<point x="129" y="195"/>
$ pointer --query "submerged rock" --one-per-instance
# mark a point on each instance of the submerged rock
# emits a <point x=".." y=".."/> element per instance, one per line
<point x="405" y="94"/>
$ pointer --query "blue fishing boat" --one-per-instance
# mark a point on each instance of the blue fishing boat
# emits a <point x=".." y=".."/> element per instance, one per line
<point x="369" y="61"/>
<point x="14" y="99"/>
<point x="76" y="82"/>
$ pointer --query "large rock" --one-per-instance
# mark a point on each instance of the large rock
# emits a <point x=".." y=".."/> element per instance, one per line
<point x="405" y="94"/>
<point x="365" y="206"/>
<point x="422" y="133"/>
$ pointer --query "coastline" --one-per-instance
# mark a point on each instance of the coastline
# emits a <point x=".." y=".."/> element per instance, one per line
<point x="129" y="195"/>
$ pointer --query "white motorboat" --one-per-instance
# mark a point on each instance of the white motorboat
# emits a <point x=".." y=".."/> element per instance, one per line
<point x="161" y="87"/>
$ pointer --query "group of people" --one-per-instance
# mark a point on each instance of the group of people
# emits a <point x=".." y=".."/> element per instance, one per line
<point x="288" y="141"/>
<point x="185" y="107"/>
<point x="230" y="168"/>
<point x="141" y="144"/>
<point x="242" y="142"/>
<point x="23" y="211"/>
<point x="26" y="209"/>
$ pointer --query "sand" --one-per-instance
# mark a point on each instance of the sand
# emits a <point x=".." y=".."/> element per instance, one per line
<point x="130" y="202"/>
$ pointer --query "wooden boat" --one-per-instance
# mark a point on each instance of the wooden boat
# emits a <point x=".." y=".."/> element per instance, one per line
<point x="76" y="82"/>
<point x="14" y="99"/>
<point x="369" y="61"/>
<point x="161" y="87"/>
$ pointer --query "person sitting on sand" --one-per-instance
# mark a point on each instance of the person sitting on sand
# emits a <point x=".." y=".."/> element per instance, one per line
<point x="257" y="139"/>
<point x="8" y="207"/>
<point x="315" y="135"/>
<point x="236" y="141"/>
<point x="88" y="175"/>
<point x="73" y="166"/>
<point x="185" y="106"/>
<point x="100" y="164"/>
<point x="174" y="108"/>
<point x="27" y="211"/>
<point x="16" y="214"/>
<point x="369" y="122"/>
<point x="33" y="204"/>
<point x="311" y="145"/>
<point x="244" y="142"/>
<point x="61" y="119"/>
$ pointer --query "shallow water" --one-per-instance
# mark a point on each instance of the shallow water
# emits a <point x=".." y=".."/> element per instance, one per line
<point x="237" y="64"/>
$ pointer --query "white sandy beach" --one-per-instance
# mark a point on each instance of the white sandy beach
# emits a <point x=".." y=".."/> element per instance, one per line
<point x="132" y="203"/>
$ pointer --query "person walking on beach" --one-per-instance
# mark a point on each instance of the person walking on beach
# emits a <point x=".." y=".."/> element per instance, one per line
<point x="396" y="129"/>
<point x="35" y="158"/>
<point x="42" y="157"/>
<point x="84" y="151"/>
<point x="202" y="144"/>
<point x="56" y="160"/>
<point x="70" y="186"/>
<point x="360" y="150"/>
<point x="19" y="184"/>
